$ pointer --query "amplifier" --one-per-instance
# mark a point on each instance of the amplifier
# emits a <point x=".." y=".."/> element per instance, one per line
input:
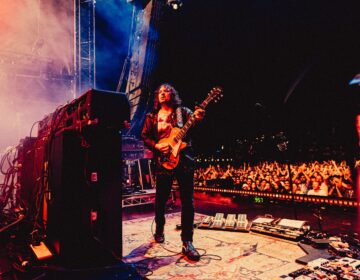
<point x="98" y="108"/>
<point x="44" y="125"/>
<point x="104" y="108"/>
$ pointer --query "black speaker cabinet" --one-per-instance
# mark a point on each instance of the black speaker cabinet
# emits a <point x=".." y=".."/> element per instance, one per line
<point x="84" y="222"/>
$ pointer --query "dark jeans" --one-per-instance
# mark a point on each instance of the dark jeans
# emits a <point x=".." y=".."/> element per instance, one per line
<point x="164" y="180"/>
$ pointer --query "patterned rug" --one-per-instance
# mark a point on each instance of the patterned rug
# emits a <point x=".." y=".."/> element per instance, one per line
<point x="226" y="255"/>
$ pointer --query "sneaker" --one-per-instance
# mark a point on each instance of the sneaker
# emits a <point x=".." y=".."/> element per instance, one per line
<point x="159" y="237"/>
<point x="189" y="250"/>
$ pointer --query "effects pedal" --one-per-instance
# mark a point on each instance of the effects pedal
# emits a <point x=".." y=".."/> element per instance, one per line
<point x="206" y="222"/>
<point x="218" y="221"/>
<point x="242" y="223"/>
<point x="230" y="221"/>
<point x="41" y="251"/>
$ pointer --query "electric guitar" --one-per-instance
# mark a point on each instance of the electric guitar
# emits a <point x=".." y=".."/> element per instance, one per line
<point x="171" y="159"/>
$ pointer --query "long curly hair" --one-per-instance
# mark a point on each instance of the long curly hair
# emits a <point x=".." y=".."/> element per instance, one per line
<point x="175" y="100"/>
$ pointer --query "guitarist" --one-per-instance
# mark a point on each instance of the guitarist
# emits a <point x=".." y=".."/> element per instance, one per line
<point x="168" y="113"/>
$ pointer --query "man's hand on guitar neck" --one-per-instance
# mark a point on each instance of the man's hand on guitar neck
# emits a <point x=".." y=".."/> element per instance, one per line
<point x="163" y="147"/>
<point x="199" y="113"/>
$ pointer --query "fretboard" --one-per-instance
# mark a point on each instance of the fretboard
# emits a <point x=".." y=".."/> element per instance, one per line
<point x="182" y="133"/>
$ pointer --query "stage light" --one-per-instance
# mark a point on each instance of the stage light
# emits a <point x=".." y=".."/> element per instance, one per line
<point x="174" y="4"/>
<point x="355" y="80"/>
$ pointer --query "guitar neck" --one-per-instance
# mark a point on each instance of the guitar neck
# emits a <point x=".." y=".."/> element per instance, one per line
<point x="190" y="121"/>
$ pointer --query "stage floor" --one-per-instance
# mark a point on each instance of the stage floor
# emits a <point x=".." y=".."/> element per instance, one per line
<point x="227" y="255"/>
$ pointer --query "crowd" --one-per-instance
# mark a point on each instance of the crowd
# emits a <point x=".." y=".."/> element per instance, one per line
<point x="327" y="178"/>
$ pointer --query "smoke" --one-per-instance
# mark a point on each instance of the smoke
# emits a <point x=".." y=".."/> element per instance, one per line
<point x="37" y="58"/>
<point x="39" y="28"/>
<point x="36" y="63"/>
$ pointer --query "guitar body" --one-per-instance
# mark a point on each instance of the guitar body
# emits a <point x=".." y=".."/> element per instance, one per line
<point x="171" y="160"/>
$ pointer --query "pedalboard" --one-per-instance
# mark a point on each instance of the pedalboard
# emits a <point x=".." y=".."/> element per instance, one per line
<point x="232" y="222"/>
<point x="292" y="230"/>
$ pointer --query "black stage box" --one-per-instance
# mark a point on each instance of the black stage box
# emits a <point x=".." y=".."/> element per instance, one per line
<point x="84" y="162"/>
<point x="84" y="220"/>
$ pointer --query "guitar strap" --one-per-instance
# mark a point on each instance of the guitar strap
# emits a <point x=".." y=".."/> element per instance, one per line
<point x="179" y="117"/>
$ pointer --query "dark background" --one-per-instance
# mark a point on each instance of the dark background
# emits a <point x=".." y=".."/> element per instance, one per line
<point x="262" y="52"/>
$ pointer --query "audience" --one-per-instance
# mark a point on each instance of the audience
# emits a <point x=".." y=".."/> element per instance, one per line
<point x="327" y="178"/>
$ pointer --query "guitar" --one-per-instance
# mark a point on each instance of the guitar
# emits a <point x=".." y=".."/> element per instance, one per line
<point x="171" y="159"/>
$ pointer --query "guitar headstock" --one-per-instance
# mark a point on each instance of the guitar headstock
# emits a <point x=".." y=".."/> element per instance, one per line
<point x="216" y="93"/>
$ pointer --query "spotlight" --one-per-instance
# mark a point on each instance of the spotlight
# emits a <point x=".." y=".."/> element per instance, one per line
<point x="174" y="4"/>
<point x="355" y="80"/>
